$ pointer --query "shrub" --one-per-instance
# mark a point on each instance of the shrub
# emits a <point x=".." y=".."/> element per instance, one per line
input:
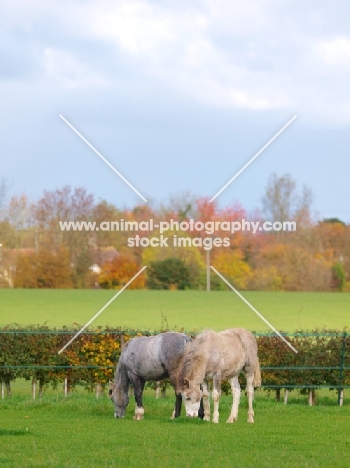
<point x="171" y="273"/>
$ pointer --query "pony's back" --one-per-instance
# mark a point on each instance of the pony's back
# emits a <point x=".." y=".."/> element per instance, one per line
<point x="154" y="357"/>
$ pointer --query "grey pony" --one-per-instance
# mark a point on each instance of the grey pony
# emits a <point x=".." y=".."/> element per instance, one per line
<point x="147" y="358"/>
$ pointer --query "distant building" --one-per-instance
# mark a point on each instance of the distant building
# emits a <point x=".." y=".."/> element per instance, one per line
<point x="102" y="256"/>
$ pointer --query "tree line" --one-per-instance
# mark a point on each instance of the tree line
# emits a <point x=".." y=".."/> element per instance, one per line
<point x="36" y="253"/>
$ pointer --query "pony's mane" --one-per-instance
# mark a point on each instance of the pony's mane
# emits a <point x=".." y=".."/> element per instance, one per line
<point x="182" y="367"/>
<point x="191" y="362"/>
<point x="121" y="377"/>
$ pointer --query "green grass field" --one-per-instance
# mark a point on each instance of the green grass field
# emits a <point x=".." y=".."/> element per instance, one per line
<point x="191" y="310"/>
<point x="80" y="431"/>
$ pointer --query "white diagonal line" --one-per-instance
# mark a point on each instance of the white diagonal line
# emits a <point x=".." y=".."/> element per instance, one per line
<point x="103" y="308"/>
<point x="254" y="309"/>
<point x="254" y="157"/>
<point x="103" y="159"/>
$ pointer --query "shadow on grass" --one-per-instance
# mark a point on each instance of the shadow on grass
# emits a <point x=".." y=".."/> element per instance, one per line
<point x="185" y="420"/>
<point x="12" y="432"/>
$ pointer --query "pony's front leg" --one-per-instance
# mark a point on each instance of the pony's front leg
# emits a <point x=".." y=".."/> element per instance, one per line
<point x="236" y="395"/>
<point x="178" y="404"/>
<point x="250" y="393"/>
<point x="216" y="398"/>
<point x="138" y="385"/>
<point x="206" y="402"/>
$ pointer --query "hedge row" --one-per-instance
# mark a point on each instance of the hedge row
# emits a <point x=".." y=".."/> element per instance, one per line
<point x="32" y="353"/>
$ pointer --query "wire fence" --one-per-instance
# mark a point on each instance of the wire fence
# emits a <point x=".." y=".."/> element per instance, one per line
<point x="323" y="359"/>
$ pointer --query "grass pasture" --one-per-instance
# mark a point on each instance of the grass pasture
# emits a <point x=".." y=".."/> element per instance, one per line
<point x="80" y="431"/>
<point x="192" y="310"/>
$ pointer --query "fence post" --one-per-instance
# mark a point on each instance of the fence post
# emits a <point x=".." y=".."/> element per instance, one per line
<point x="122" y="342"/>
<point x="98" y="390"/>
<point x="278" y="394"/>
<point x="309" y="398"/>
<point x="341" y="368"/>
<point x="157" y="390"/>
<point x="8" y="388"/>
<point x="34" y="388"/>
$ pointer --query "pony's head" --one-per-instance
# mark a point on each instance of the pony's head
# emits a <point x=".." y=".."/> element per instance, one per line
<point x="191" y="395"/>
<point x="120" y="399"/>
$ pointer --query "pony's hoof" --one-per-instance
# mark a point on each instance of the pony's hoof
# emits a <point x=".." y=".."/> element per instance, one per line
<point x="215" y="421"/>
<point x="250" y="420"/>
<point x="231" y="420"/>
<point x="138" y="415"/>
<point x="206" y="418"/>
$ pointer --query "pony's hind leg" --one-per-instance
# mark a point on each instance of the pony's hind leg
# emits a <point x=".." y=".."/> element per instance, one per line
<point x="206" y="403"/>
<point x="250" y="394"/>
<point x="138" y="385"/>
<point x="236" y="395"/>
<point x="216" y="397"/>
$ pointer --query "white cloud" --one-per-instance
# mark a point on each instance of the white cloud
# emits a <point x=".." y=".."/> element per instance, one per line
<point x="335" y="51"/>
<point x="256" y="55"/>
<point x="135" y="26"/>
<point x="63" y="67"/>
<point x="175" y="46"/>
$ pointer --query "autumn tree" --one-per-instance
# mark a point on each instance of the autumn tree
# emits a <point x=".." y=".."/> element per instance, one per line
<point x="180" y="206"/>
<point x="18" y="214"/>
<point x="283" y="202"/>
<point x="43" y="269"/>
<point x="231" y="264"/>
<point x="107" y="212"/>
<point x="8" y="235"/>
<point x="290" y="267"/>
<point x="116" y="274"/>
<point x="4" y="189"/>
<point x="62" y="205"/>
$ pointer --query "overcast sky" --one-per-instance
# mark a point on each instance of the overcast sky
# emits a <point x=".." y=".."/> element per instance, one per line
<point x="177" y="95"/>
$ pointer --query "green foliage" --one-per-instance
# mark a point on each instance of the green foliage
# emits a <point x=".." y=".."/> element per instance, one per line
<point x="319" y="349"/>
<point x="333" y="221"/>
<point x="32" y="353"/>
<point x="171" y="273"/>
<point x="191" y="257"/>
<point x="338" y="276"/>
<point x="216" y="283"/>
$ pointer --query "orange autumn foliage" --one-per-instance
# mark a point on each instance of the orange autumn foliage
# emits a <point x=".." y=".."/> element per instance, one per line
<point x="117" y="273"/>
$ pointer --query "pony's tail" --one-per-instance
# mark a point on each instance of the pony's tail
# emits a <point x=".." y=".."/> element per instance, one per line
<point x="257" y="375"/>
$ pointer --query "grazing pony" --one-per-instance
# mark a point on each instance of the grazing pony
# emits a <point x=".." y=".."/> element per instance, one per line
<point x="218" y="356"/>
<point x="146" y="358"/>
